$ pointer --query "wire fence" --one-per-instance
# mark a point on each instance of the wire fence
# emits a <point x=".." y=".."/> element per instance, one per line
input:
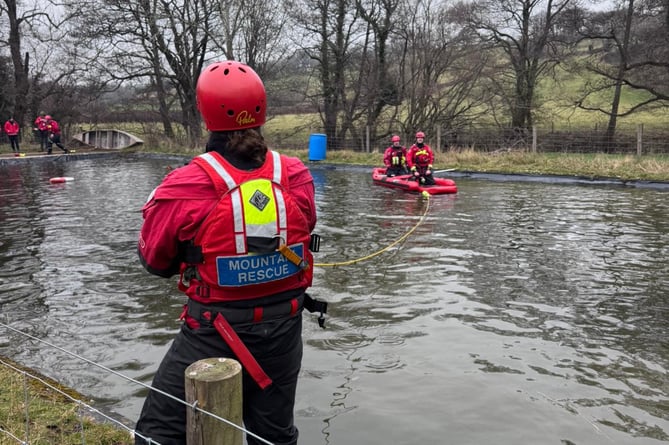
<point x="86" y="410"/>
<point x="628" y="139"/>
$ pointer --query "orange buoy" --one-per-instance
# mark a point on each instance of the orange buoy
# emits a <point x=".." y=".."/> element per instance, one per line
<point x="60" y="179"/>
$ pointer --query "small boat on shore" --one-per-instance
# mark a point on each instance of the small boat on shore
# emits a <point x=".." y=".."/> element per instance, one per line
<point x="110" y="139"/>
<point x="406" y="183"/>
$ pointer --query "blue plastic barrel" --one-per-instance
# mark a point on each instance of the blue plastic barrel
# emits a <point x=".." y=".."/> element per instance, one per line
<point x="317" y="147"/>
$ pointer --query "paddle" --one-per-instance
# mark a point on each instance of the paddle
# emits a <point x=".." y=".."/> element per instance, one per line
<point x="446" y="170"/>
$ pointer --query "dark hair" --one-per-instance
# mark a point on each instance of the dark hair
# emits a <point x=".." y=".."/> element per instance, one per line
<point x="247" y="146"/>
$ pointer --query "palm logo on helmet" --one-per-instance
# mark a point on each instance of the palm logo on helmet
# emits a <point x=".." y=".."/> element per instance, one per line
<point x="231" y="96"/>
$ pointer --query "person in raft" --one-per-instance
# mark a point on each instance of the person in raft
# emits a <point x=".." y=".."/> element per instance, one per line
<point x="236" y="224"/>
<point x="420" y="159"/>
<point x="395" y="158"/>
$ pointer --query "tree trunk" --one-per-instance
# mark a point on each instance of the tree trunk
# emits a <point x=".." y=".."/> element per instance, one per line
<point x="21" y="81"/>
<point x="622" y="65"/>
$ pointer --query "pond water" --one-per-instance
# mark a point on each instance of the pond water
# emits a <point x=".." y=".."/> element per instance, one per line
<point x="514" y="313"/>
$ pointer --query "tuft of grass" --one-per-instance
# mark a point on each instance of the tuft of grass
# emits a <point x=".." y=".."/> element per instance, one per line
<point x="52" y="417"/>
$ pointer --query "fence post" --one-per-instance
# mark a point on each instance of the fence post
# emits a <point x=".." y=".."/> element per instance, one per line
<point x="216" y="385"/>
<point x="639" y="139"/>
<point x="534" y="138"/>
<point x="439" y="148"/>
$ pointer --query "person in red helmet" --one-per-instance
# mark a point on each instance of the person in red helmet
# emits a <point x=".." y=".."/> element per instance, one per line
<point x="235" y="223"/>
<point x="420" y="159"/>
<point x="53" y="130"/>
<point x="395" y="158"/>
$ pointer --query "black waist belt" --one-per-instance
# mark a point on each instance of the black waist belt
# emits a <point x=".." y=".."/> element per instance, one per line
<point x="208" y="312"/>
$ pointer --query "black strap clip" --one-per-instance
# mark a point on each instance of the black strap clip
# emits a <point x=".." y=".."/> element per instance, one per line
<point x="313" y="305"/>
<point x="315" y="243"/>
<point x="191" y="254"/>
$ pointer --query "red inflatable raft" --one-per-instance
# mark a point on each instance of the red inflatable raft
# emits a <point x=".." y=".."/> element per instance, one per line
<point x="404" y="182"/>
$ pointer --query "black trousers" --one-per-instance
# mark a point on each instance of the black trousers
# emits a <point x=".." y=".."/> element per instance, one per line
<point x="43" y="136"/>
<point x="14" y="142"/>
<point x="55" y="139"/>
<point x="423" y="177"/>
<point x="396" y="171"/>
<point x="268" y="413"/>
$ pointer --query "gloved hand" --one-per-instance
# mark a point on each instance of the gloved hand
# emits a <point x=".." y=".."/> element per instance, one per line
<point x="415" y="173"/>
<point x="429" y="169"/>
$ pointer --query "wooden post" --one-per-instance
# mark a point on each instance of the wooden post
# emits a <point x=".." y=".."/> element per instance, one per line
<point x="368" y="149"/>
<point x="216" y="385"/>
<point x="534" y="138"/>
<point x="439" y="147"/>
<point x="639" y="139"/>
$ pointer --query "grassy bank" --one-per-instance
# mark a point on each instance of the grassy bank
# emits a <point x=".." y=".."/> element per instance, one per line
<point x="648" y="168"/>
<point x="53" y="417"/>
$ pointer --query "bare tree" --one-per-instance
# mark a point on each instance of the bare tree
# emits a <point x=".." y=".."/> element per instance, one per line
<point x="440" y="68"/>
<point x="381" y="89"/>
<point x="164" y="41"/>
<point x="25" y="23"/>
<point x="523" y="31"/>
<point x="329" y="30"/>
<point x="630" y="50"/>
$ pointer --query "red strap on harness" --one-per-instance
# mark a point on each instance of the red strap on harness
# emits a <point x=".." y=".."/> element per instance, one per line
<point x="257" y="314"/>
<point x="241" y="351"/>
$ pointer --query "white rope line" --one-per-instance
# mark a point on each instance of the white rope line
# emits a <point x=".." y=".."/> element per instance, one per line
<point x="7" y="433"/>
<point x="130" y="379"/>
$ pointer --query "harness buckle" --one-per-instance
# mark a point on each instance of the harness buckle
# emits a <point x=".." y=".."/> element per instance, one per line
<point x="315" y="243"/>
<point x="313" y="305"/>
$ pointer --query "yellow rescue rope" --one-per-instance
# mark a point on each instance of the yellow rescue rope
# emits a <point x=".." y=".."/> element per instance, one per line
<point x="397" y="241"/>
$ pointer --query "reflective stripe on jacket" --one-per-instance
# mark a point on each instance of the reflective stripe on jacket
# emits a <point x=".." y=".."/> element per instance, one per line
<point x="240" y="236"/>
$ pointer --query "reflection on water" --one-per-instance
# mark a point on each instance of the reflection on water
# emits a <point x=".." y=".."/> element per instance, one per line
<point x="517" y="313"/>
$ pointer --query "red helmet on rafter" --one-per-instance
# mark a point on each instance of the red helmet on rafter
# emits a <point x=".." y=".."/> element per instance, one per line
<point x="395" y="138"/>
<point x="420" y="134"/>
<point x="231" y="96"/>
<point x="47" y="117"/>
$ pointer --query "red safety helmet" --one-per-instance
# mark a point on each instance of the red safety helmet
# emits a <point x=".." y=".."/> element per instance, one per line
<point x="47" y="117"/>
<point x="420" y="134"/>
<point x="231" y="96"/>
<point x="395" y="139"/>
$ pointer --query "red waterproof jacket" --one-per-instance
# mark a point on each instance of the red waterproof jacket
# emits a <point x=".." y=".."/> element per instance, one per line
<point x="177" y="209"/>
<point x="395" y="156"/>
<point x="40" y="123"/>
<point x="420" y="156"/>
<point x="11" y="128"/>
<point x="53" y="127"/>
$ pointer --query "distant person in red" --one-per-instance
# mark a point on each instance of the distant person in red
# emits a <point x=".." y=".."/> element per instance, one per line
<point x="420" y="159"/>
<point x="53" y="130"/>
<point x="12" y="130"/>
<point x="395" y="158"/>
<point x="42" y="132"/>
